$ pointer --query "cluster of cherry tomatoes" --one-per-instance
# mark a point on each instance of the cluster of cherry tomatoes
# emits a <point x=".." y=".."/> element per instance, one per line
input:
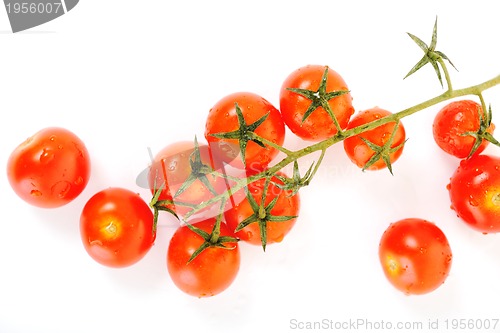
<point x="227" y="183"/>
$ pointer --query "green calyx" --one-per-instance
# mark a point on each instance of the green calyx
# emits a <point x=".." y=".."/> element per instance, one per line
<point x="244" y="133"/>
<point x="212" y="239"/>
<point x="199" y="171"/>
<point x="262" y="214"/>
<point x="320" y="98"/>
<point x="431" y="56"/>
<point x="383" y="152"/>
<point x="296" y="182"/>
<point x="482" y="133"/>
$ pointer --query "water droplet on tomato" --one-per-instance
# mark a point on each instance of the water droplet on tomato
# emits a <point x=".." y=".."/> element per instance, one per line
<point x="79" y="181"/>
<point x="36" y="193"/>
<point x="46" y="156"/>
<point x="473" y="202"/>
<point x="172" y="166"/>
<point x="448" y="187"/>
<point x="61" y="188"/>
<point x="459" y="116"/>
<point x="95" y="242"/>
<point x="52" y="138"/>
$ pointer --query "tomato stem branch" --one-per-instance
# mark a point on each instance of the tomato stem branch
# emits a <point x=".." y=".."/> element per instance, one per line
<point x="446" y="74"/>
<point x="325" y="144"/>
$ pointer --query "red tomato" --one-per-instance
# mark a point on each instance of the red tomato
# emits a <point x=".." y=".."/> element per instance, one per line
<point x="318" y="125"/>
<point x="223" y="118"/>
<point x="474" y="190"/>
<point x="173" y="166"/>
<point x="360" y="153"/>
<point x="116" y="227"/>
<point x="415" y="256"/>
<point x="453" y="121"/>
<point x="287" y="205"/>
<point x="49" y="169"/>
<point x="209" y="273"/>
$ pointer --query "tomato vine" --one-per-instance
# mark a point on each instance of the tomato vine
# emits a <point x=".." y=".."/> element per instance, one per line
<point x="319" y="98"/>
<point x="245" y="115"/>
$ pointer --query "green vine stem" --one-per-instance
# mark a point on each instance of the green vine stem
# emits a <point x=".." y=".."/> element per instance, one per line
<point x="292" y="156"/>
<point x="446" y="74"/>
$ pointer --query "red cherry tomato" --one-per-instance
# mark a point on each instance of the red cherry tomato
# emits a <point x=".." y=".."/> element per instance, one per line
<point x="318" y="125"/>
<point x="474" y="190"/>
<point x="209" y="273"/>
<point x="360" y="153"/>
<point x="415" y="256"/>
<point x="452" y="123"/>
<point x="173" y="167"/>
<point x="49" y="169"/>
<point x="223" y="118"/>
<point x="116" y="227"/>
<point x="286" y="205"/>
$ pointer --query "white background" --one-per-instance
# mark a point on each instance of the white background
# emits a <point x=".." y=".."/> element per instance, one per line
<point x="131" y="75"/>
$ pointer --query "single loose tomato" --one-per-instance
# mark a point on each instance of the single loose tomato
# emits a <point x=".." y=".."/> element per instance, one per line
<point x="452" y="125"/>
<point x="212" y="271"/>
<point x="474" y="191"/>
<point x="377" y="148"/>
<point x="49" y="169"/>
<point x="184" y="170"/>
<point x="116" y="227"/>
<point x="275" y="215"/>
<point x="230" y="136"/>
<point x="302" y="110"/>
<point x="415" y="256"/>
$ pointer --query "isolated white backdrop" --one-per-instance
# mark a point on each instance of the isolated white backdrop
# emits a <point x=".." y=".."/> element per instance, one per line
<point x="127" y="76"/>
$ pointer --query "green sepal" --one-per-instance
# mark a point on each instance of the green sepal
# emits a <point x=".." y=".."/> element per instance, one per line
<point x="296" y="182"/>
<point x="212" y="239"/>
<point x="244" y="133"/>
<point x="383" y="152"/>
<point x="430" y="55"/>
<point x="262" y="214"/>
<point x="481" y="134"/>
<point x="320" y="98"/>
<point x="198" y="171"/>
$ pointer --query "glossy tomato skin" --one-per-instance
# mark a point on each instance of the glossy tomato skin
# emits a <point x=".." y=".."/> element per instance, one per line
<point x="212" y="271"/>
<point x="415" y="255"/>
<point x="223" y="118"/>
<point x="474" y="191"/>
<point x="452" y="121"/>
<point x="318" y="125"/>
<point x="239" y="209"/>
<point x="116" y="227"/>
<point x="359" y="152"/>
<point x="171" y="167"/>
<point x="49" y="169"/>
